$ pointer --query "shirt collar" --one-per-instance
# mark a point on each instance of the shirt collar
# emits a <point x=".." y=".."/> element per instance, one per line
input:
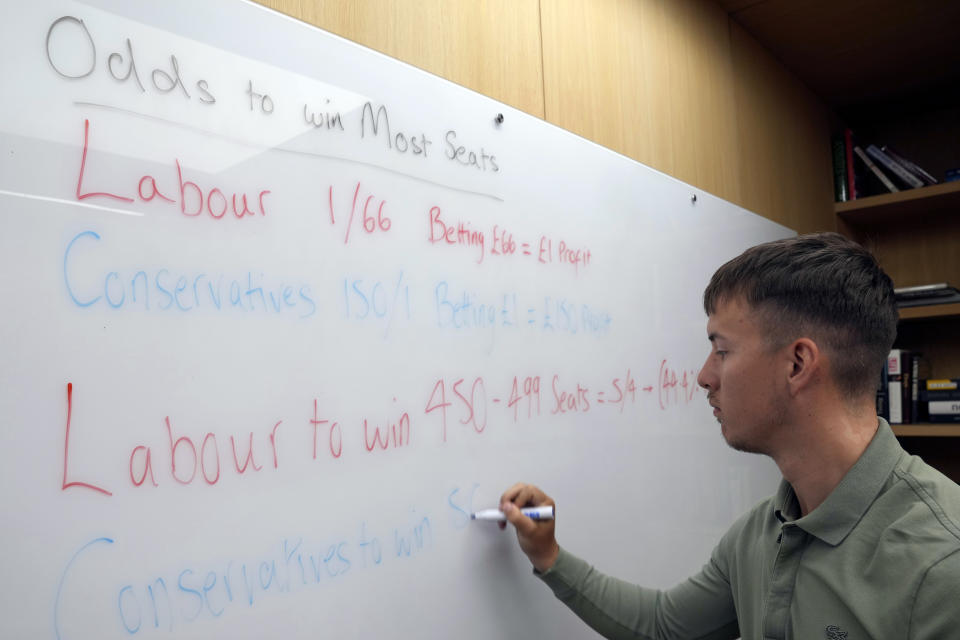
<point x="832" y="520"/>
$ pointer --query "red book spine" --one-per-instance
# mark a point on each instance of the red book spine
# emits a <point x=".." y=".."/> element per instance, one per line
<point x="851" y="177"/>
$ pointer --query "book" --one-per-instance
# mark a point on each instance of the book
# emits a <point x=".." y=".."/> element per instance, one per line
<point x="925" y="290"/>
<point x="920" y="302"/>
<point x="914" y="387"/>
<point x="883" y="395"/>
<point x="895" y="386"/>
<point x="908" y="178"/>
<point x="945" y="417"/>
<point x="943" y="407"/>
<point x="942" y="391"/>
<point x="942" y="384"/>
<point x="906" y="384"/>
<point x="939" y="394"/>
<point x="909" y="165"/>
<point x="848" y="157"/>
<point x="875" y="169"/>
<point x="840" y="190"/>
<point x="926" y="294"/>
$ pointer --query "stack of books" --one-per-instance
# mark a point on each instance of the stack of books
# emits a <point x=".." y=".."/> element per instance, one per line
<point x="926" y="294"/>
<point x="941" y="400"/>
<point x="898" y="395"/>
<point x="863" y="171"/>
<point x="903" y="397"/>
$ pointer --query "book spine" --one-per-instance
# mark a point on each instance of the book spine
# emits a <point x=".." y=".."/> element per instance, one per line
<point x="945" y="417"/>
<point x="909" y="165"/>
<point x="894" y="168"/>
<point x="895" y="400"/>
<point x="943" y="384"/>
<point x="883" y="396"/>
<point x="943" y="407"/>
<point x="875" y="169"/>
<point x="895" y="386"/>
<point x="915" y="387"/>
<point x="906" y="384"/>
<point x="840" y="193"/>
<point x="926" y="396"/>
<point x="848" y="156"/>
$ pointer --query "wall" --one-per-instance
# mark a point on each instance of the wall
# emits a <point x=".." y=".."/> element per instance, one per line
<point x="674" y="84"/>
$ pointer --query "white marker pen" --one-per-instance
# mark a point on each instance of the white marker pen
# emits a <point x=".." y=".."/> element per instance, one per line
<point x="534" y="513"/>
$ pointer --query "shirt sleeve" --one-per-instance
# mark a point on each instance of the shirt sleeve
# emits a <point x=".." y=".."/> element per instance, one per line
<point x="935" y="613"/>
<point x="701" y="607"/>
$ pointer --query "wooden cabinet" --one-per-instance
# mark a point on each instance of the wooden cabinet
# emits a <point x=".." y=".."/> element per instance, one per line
<point x="887" y="69"/>
<point x="916" y="236"/>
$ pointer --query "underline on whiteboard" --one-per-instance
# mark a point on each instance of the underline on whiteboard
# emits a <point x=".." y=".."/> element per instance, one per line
<point x="312" y="154"/>
<point x="31" y="196"/>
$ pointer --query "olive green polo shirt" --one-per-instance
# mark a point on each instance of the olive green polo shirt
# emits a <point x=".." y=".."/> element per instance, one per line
<point x="880" y="558"/>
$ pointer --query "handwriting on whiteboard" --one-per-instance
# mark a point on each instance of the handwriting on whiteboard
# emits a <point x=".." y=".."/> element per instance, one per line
<point x="207" y="590"/>
<point x="185" y="453"/>
<point x="74" y="54"/>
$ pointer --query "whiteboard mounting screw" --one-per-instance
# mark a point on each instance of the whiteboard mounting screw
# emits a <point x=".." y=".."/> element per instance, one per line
<point x="499" y="118"/>
<point x="693" y="199"/>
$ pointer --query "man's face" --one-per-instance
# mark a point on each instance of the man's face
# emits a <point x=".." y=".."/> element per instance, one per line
<point x="745" y="378"/>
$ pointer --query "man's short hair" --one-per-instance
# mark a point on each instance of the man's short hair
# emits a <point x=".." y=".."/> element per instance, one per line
<point x="822" y="286"/>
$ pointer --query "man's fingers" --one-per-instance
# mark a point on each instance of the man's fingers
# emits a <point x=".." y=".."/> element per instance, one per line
<point x="511" y="493"/>
<point x="523" y="495"/>
<point x="524" y="525"/>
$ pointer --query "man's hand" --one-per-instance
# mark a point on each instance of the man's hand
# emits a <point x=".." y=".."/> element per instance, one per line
<point x="536" y="537"/>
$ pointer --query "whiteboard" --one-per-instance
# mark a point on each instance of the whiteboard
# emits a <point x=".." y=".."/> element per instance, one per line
<point x="280" y="312"/>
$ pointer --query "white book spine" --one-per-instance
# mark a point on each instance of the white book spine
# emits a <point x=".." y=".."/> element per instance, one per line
<point x="895" y="401"/>
<point x="944" y="407"/>
<point x="894" y="363"/>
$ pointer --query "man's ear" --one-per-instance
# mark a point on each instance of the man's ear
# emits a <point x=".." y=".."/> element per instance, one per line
<point x="808" y="363"/>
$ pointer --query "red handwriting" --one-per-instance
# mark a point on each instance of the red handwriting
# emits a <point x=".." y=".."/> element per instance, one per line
<point x="502" y="240"/>
<point x="575" y="401"/>
<point x="66" y="451"/>
<point x="394" y="435"/>
<point x="502" y="243"/>
<point x="676" y="388"/>
<point x="464" y="399"/>
<point x="629" y="390"/>
<point x="565" y="254"/>
<point x="459" y="233"/>
<point x="530" y="390"/>
<point x="334" y="436"/>
<point x="186" y="460"/>
<point x="624" y="389"/>
<point x="469" y="403"/>
<point x="435" y="403"/>
<point x="368" y="222"/>
<point x="193" y="200"/>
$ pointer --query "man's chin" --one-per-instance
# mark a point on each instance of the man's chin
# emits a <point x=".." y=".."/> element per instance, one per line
<point x="737" y="444"/>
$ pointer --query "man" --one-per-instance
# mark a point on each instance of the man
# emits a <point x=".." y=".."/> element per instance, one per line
<point x="861" y="540"/>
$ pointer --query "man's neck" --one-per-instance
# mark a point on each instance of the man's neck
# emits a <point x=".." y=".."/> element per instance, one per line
<point x="827" y="447"/>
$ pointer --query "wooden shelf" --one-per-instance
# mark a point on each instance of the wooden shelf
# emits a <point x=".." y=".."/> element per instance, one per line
<point x="927" y="430"/>
<point x="909" y="203"/>
<point x="930" y="311"/>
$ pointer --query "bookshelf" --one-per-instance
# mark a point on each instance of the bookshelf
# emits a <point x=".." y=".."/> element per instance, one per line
<point x="910" y="203"/>
<point x="916" y="236"/>
<point x="927" y="430"/>
<point x="889" y="74"/>
<point x="932" y="311"/>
